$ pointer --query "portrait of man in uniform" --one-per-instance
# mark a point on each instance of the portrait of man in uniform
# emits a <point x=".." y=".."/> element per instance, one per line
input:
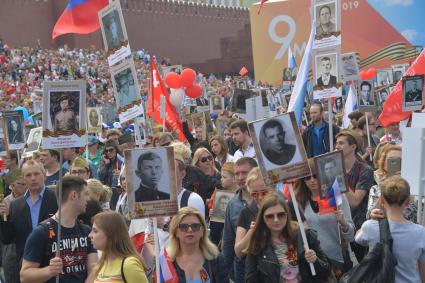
<point x="150" y="171"/>
<point x="126" y="88"/>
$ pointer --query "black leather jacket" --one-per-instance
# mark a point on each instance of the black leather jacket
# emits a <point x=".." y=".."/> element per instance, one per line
<point x="265" y="267"/>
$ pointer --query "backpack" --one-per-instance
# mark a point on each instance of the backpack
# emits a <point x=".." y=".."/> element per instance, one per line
<point x="378" y="266"/>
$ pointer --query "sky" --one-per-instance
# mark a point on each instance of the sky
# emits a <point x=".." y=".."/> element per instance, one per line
<point x="407" y="16"/>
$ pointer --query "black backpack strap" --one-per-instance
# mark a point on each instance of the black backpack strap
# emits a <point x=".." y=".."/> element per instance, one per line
<point x="384" y="232"/>
<point x="122" y="270"/>
<point x="185" y="198"/>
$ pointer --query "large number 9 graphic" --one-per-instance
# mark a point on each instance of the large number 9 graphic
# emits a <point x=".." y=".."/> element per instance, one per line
<point x="284" y="40"/>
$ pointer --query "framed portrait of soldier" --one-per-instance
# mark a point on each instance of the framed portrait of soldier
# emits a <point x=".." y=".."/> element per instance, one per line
<point x="339" y="104"/>
<point x="64" y="115"/>
<point x="114" y="33"/>
<point x="151" y="182"/>
<point x="94" y="120"/>
<point x="384" y="77"/>
<point x="242" y="84"/>
<point x="15" y="129"/>
<point x="326" y="75"/>
<point x="349" y="67"/>
<point x="221" y="199"/>
<point x="289" y="75"/>
<point x="382" y="94"/>
<point x="398" y="71"/>
<point x="33" y="141"/>
<point x="238" y="100"/>
<point x="366" y="96"/>
<point x="279" y="148"/>
<point x="413" y="93"/>
<point x="3" y="138"/>
<point x="216" y="104"/>
<point x="140" y="130"/>
<point x="331" y="173"/>
<point x="127" y="91"/>
<point x="327" y="16"/>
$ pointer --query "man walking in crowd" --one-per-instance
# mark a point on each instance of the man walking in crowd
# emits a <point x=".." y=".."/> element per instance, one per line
<point x="11" y="164"/>
<point x="25" y="213"/>
<point x="316" y="136"/>
<point x="360" y="179"/>
<point x="50" y="160"/>
<point x="77" y="256"/>
<point x="242" y="138"/>
<point x="233" y="210"/>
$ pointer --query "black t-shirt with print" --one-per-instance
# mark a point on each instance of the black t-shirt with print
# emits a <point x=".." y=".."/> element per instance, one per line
<point x="41" y="246"/>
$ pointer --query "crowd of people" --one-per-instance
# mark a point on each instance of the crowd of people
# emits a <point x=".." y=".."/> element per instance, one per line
<point x="259" y="238"/>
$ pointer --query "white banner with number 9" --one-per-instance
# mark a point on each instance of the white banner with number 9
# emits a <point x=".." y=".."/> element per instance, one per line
<point x="283" y="40"/>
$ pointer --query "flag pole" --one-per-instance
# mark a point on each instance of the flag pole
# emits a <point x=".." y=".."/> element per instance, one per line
<point x="157" y="250"/>
<point x="59" y="193"/>
<point x="330" y="125"/>
<point x="368" y="134"/>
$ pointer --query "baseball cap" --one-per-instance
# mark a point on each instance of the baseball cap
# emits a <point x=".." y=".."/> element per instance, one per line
<point x="117" y="125"/>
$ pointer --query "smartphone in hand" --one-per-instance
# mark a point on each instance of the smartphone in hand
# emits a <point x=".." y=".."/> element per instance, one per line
<point x="393" y="166"/>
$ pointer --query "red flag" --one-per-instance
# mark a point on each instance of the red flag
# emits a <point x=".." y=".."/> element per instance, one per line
<point x="243" y="71"/>
<point x="392" y="111"/>
<point x="261" y="5"/>
<point x="157" y="88"/>
<point x="80" y="16"/>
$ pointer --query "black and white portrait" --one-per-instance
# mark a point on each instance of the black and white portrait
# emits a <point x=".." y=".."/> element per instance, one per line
<point x="221" y="200"/>
<point x="94" y="120"/>
<point x="14" y="121"/>
<point x="326" y="70"/>
<point x="384" y="77"/>
<point x="241" y="84"/>
<point x="3" y="138"/>
<point x="238" y="100"/>
<point x="339" y="104"/>
<point x="413" y="93"/>
<point x="290" y="74"/>
<point x="33" y="141"/>
<point x="217" y="103"/>
<point x="383" y="95"/>
<point x="113" y="30"/>
<point x="126" y="88"/>
<point x="64" y="110"/>
<point x="326" y="20"/>
<point x="151" y="180"/>
<point x="366" y="97"/>
<point x="330" y="167"/>
<point x="349" y="67"/>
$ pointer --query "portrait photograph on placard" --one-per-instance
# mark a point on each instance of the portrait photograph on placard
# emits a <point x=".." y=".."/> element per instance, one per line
<point x="289" y="75"/>
<point x="366" y="96"/>
<point x="127" y="91"/>
<point x="382" y="93"/>
<point x="94" y="121"/>
<point x="238" y="100"/>
<point x="141" y="130"/>
<point x="279" y="148"/>
<point x="398" y="71"/>
<point x="174" y="68"/>
<point x="242" y="84"/>
<point x="114" y="33"/>
<point x="339" y="104"/>
<point x="413" y="93"/>
<point x="327" y="15"/>
<point x="64" y="117"/>
<point x="15" y="129"/>
<point x="216" y="104"/>
<point x="38" y="119"/>
<point x="384" y="77"/>
<point x="349" y="67"/>
<point x="330" y="168"/>
<point x="326" y="75"/>
<point x="33" y="141"/>
<point x="151" y="182"/>
<point x="3" y="138"/>
<point x="221" y="200"/>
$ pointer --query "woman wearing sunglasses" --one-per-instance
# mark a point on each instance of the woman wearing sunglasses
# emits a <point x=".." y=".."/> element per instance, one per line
<point x="204" y="160"/>
<point x="334" y="230"/>
<point x="276" y="252"/>
<point x="194" y="256"/>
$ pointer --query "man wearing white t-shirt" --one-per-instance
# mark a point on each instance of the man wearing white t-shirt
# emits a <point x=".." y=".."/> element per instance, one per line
<point x="242" y="138"/>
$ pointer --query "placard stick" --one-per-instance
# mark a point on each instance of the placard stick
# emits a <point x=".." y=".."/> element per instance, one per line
<point x="155" y="232"/>
<point x="331" y="134"/>
<point x="301" y="224"/>
<point x="368" y="134"/>
<point x="18" y="153"/>
<point x="59" y="192"/>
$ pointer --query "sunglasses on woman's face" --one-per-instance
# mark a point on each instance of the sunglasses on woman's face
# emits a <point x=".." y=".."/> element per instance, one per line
<point x="195" y="227"/>
<point x="259" y="194"/>
<point x="107" y="150"/>
<point x="205" y="159"/>
<point x="273" y="216"/>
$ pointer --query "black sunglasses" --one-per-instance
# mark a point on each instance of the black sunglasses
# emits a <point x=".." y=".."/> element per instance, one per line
<point x="195" y="227"/>
<point x="205" y="159"/>
<point x="109" y="150"/>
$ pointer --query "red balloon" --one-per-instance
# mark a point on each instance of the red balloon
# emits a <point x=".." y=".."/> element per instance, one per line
<point x="363" y="75"/>
<point x="371" y="73"/>
<point x="173" y="80"/>
<point x="194" y="91"/>
<point x="188" y="77"/>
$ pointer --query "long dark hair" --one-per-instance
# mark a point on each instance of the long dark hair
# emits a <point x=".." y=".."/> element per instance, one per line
<point x="222" y="156"/>
<point x="261" y="236"/>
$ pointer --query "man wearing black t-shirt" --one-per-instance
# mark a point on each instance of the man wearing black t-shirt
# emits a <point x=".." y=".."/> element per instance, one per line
<point x="77" y="255"/>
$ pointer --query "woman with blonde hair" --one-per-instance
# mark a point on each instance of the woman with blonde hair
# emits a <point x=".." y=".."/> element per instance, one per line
<point x="204" y="160"/>
<point x="219" y="148"/>
<point x="276" y="252"/>
<point x="195" y="258"/>
<point x="120" y="262"/>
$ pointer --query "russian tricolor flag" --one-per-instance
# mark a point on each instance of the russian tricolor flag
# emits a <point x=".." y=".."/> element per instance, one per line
<point x="80" y="16"/>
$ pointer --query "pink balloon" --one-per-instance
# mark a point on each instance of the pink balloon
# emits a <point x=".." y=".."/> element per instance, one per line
<point x="194" y="91"/>
<point x="188" y="77"/>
